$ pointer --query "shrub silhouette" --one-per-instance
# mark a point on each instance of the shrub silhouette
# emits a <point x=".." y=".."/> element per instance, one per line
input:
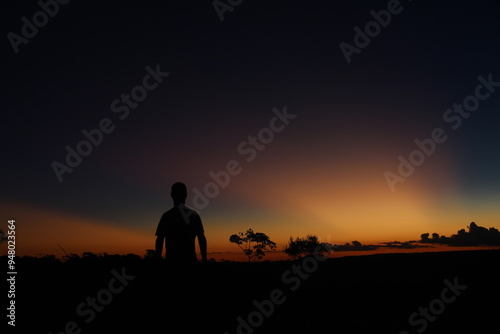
<point x="3" y="236"/>
<point x="302" y="247"/>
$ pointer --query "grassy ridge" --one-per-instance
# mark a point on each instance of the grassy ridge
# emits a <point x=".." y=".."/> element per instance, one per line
<point x="361" y="294"/>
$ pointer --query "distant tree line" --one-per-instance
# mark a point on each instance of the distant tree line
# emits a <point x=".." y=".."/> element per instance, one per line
<point x="475" y="236"/>
<point x="355" y="246"/>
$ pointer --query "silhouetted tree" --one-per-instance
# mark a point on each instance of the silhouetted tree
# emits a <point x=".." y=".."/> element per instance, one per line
<point x="71" y="257"/>
<point x="302" y="247"/>
<point x="355" y="246"/>
<point x="261" y="241"/>
<point x="3" y="236"/>
<point x="89" y="256"/>
<point x="150" y="254"/>
<point x="48" y="259"/>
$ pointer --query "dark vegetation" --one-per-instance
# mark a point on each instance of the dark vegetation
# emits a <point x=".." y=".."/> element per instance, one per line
<point x="355" y="246"/>
<point x="299" y="248"/>
<point x="476" y="236"/>
<point x="253" y="244"/>
<point x="361" y="294"/>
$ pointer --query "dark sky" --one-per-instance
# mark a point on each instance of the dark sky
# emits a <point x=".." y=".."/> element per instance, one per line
<point x="225" y="77"/>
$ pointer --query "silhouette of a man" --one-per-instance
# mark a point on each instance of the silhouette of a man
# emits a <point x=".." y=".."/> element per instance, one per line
<point x="178" y="228"/>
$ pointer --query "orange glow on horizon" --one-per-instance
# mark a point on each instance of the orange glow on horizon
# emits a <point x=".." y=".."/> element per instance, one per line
<point x="38" y="231"/>
<point x="351" y="202"/>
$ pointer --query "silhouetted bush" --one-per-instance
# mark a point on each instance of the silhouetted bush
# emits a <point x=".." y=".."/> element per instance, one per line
<point x="302" y="247"/>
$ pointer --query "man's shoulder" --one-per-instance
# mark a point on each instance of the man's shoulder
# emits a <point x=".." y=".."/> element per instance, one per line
<point x="169" y="214"/>
<point x="190" y="211"/>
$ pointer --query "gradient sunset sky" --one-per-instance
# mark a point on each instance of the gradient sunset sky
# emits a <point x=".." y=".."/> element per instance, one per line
<point x="323" y="174"/>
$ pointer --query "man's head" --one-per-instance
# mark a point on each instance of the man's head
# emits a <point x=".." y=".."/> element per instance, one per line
<point x="179" y="192"/>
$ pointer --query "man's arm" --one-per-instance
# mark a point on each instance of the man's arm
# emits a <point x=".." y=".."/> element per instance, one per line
<point x="202" y="241"/>
<point x="159" y="246"/>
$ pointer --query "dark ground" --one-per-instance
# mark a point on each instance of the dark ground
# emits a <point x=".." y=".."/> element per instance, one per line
<point x="361" y="294"/>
